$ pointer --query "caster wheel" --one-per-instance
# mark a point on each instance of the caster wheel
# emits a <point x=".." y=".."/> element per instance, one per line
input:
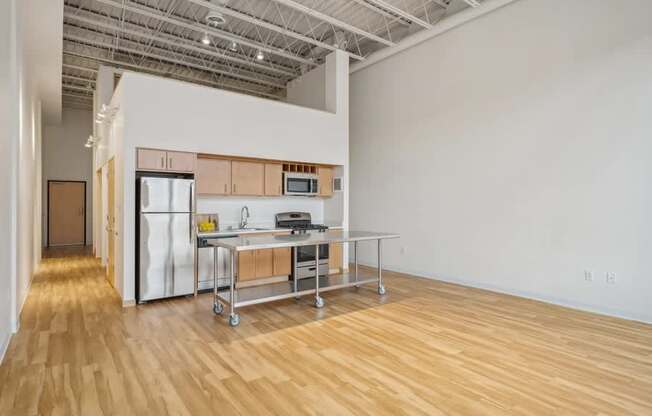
<point x="234" y="320"/>
<point x="218" y="308"/>
<point x="381" y="290"/>
<point x="319" y="302"/>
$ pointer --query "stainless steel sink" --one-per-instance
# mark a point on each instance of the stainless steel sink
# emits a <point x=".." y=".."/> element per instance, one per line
<point x="240" y="230"/>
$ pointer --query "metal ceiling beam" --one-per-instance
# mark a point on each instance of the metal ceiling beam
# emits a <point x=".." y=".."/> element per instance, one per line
<point x="196" y="27"/>
<point x="335" y="22"/>
<point x="80" y="39"/>
<point x="270" y="26"/>
<point x="76" y="87"/>
<point x="81" y="68"/>
<point x="176" y="41"/>
<point x="82" y="79"/>
<point x="169" y="73"/>
<point x="393" y="9"/>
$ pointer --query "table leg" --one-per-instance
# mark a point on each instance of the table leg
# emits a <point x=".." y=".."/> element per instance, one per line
<point x="381" y="288"/>
<point x="295" y="275"/>
<point x="319" y="301"/>
<point x="234" y="318"/>
<point x="218" y="308"/>
<point x="355" y="259"/>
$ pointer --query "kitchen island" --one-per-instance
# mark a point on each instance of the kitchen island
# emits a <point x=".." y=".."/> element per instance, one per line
<point x="239" y="297"/>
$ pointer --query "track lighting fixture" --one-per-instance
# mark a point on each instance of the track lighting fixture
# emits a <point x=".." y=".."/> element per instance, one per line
<point x="260" y="56"/>
<point x="205" y="39"/>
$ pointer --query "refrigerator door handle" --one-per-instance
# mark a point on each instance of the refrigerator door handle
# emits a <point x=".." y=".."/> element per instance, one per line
<point x="192" y="209"/>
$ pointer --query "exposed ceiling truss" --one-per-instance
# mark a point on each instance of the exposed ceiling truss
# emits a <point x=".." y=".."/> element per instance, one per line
<point x="259" y="46"/>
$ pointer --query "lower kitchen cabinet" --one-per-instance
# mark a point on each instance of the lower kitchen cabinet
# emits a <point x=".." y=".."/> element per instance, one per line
<point x="246" y="265"/>
<point x="282" y="261"/>
<point x="335" y="257"/>
<point x="264" y="262"/>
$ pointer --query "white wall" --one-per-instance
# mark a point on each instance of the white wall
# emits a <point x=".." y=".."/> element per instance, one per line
<point x="66" y="158"/>
<point x="513" y="153"/>
<point x="26" y="79"/>
<point x="309" y="90"/>
<point x="8" y="164"/>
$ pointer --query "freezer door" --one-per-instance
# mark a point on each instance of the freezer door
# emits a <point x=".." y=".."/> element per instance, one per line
<point x="166" y="195"/>
<point x="166" y="263"/>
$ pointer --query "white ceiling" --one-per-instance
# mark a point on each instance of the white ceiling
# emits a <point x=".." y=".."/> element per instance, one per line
<point x="165" y="38"/>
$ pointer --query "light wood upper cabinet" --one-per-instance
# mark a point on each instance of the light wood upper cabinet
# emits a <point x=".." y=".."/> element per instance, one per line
<point x="325" y="181"/>
<point x="282" y="261"/>
<point x="264" y="262"/>
<point x="181" y="161"/>
<point x="151" y="159"/>
<point x="246" y="265"/>
<point x="247" y="178"/>
<point x="213" y="176"/>
<point x="162" y="160"/>
<point x="273" y="179"/>
<point x="335" y="257"/>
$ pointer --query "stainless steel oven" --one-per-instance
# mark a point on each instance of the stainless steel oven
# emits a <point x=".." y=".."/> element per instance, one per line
<point x="295" y="183"/>
<point x="304" y="261"/>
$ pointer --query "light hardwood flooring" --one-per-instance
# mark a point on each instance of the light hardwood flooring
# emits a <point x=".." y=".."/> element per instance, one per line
<point x="426" y="348"/>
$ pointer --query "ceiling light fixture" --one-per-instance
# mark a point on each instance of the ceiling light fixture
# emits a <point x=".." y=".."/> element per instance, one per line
<point x="472" y="3"/>
<point x="260" y="56"/>
<point x="206" y="40"/>
<point x="233" y="46"/>
<point x="215" y="18"/>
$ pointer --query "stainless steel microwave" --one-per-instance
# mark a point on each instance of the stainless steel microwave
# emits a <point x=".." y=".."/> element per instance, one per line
<point x="306" y="184"/>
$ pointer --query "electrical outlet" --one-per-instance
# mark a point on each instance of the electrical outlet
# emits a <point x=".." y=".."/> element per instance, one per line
<point x="611" y="278"/>
<point x="588" y="275"/>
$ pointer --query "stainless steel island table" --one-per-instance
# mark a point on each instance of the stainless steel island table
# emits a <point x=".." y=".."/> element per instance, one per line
<point x="238" y="297"/>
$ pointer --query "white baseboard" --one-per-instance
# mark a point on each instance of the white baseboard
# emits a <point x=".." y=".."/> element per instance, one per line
<point x="617" y="313"/>
<point x="128" y="303"/>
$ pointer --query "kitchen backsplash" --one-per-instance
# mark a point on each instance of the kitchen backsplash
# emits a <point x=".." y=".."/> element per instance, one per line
<point x="262" y="210"/>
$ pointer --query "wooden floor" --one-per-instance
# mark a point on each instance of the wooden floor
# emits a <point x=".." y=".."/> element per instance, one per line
<point x="425" y="348"/>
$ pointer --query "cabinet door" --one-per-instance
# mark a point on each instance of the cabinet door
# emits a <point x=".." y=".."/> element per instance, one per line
<point x="325" y="181"/>
<point x="151" y="159"/>
<point x="181" y="161"/>
<point x="335" y="257"/>
<point x="282" y="261"/>
<point x="213" y="176"/>
<point x="264" y="263"/>
<point x="246" y="265"/>
<point x="273" y="179"/>
<point x="247" y="178"/>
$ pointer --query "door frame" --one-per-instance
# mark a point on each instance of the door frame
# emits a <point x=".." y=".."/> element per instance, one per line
<point x="47" y="231"/>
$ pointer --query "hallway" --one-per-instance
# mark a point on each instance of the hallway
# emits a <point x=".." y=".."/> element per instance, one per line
<point x="428" y="348"/>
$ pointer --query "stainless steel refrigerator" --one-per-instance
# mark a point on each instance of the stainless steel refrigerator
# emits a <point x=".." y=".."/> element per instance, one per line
<point x="166" y="252"/>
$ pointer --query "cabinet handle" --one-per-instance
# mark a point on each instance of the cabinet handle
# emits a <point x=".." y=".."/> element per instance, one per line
<point x="162" y="162"/>
<point x="233" y="188"/>
<point x="170" y="162"/>
<point x="224" y="188"/>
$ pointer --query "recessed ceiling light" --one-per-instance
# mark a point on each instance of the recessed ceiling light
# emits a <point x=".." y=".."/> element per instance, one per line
<point x="205" y="39"/>
<point x="260" y="56"/>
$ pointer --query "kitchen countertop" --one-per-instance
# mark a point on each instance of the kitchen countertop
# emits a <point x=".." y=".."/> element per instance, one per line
<point x="225" y="232"/>
<point x="253" y="242"/>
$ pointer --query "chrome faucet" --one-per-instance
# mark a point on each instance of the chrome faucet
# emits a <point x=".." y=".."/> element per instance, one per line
<point x="244" y="216"/>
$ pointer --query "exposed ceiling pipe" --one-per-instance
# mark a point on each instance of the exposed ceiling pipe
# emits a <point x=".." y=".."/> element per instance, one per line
<point x="442" y="26"/>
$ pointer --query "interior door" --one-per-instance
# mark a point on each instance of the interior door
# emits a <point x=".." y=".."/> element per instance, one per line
<point x="110" y="223"/>
<point x="66" y="213"/>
